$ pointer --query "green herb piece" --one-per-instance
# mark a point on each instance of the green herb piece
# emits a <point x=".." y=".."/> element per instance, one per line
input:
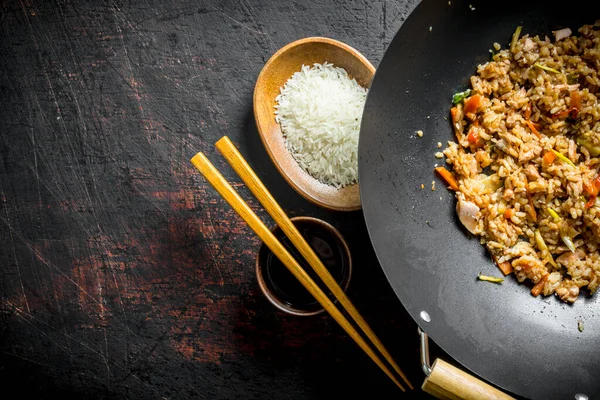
<point x="544" y="248"/>
<point x="554" y="214"/>
<point x="572" y="79"/>
<point x="569" y="242"/>
<point x="562" y="157"/>
<point x="460" y="96"/>
<point x="575" y="123"/>
<point x="567" y="234"/>
<point x="489" y="278"/>
<point x="547" y="68"/>
<point x="515" y="37"/>
<point x="594" y="150"/>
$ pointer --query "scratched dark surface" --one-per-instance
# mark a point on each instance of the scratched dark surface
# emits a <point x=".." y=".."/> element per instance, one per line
<point x="123" y="274"/>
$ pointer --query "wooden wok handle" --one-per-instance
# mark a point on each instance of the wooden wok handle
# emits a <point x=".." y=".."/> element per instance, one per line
<point x="448" y="382"/>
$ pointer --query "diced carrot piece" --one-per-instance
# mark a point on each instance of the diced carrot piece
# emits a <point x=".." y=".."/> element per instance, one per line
<point x="538" y="287"/>
<point x="574" y="107"/>
<point x="526" y="266"/>
<point x="472" y="104"/>
<point x="505" y="267"/>
<point x="527" y="111"/>
<point x="561" y="114"/>
<point x="592" y="189"/>
<point x="533" y="129"/>
<point x="591" y="202"/>
<point x="454" y="114"/>
<point x="448" y="177"/>
<point x="532" y="212"/>
<point x="509" y="213"/>
<point x="473" y="137"/>
<point x="548" y="158"/>
<point x="575" y="103"/>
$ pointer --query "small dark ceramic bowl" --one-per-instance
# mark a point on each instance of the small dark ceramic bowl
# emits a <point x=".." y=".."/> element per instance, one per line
<point x="281" y="288"/>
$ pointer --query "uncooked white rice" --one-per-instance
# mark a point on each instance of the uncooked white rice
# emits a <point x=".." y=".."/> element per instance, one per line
<point x="319" y="110"/>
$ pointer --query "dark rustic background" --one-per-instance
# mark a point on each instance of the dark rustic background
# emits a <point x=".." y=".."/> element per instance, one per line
<point x="123" y="274"/>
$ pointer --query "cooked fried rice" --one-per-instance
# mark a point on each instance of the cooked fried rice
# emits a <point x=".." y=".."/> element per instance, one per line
<point x="527" y="163"/>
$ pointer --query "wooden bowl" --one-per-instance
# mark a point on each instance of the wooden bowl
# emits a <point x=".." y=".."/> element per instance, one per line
<point x="286" y="304"/>
<point x="280" y="67"/>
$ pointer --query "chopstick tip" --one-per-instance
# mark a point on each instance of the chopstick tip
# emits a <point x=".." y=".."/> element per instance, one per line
<point x="198" y="160"/>
<point x="224" y="141"/>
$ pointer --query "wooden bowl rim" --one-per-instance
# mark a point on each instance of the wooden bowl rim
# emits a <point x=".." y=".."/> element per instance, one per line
<point x="262" y="129"/>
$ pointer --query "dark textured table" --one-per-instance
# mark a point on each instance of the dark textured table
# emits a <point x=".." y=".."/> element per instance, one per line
<point x="123" y="273"/>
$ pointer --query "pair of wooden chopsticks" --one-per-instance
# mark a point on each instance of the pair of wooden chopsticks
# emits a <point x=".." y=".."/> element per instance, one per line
<point x="239" y="164"/>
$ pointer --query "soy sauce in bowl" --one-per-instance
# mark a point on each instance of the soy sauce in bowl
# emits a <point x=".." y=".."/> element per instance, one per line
<point x="281" y="287"/>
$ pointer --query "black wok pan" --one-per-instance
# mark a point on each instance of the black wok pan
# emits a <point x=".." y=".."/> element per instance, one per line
<point x="527" y="346"/>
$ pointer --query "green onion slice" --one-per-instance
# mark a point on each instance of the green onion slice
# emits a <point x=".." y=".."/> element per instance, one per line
<point x="540" y="66"/>
<point x="562" y="157"/>
<point x="490" y="278"/>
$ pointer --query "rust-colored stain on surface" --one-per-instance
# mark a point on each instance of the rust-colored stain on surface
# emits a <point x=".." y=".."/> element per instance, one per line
<point x="123" y="273"/>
